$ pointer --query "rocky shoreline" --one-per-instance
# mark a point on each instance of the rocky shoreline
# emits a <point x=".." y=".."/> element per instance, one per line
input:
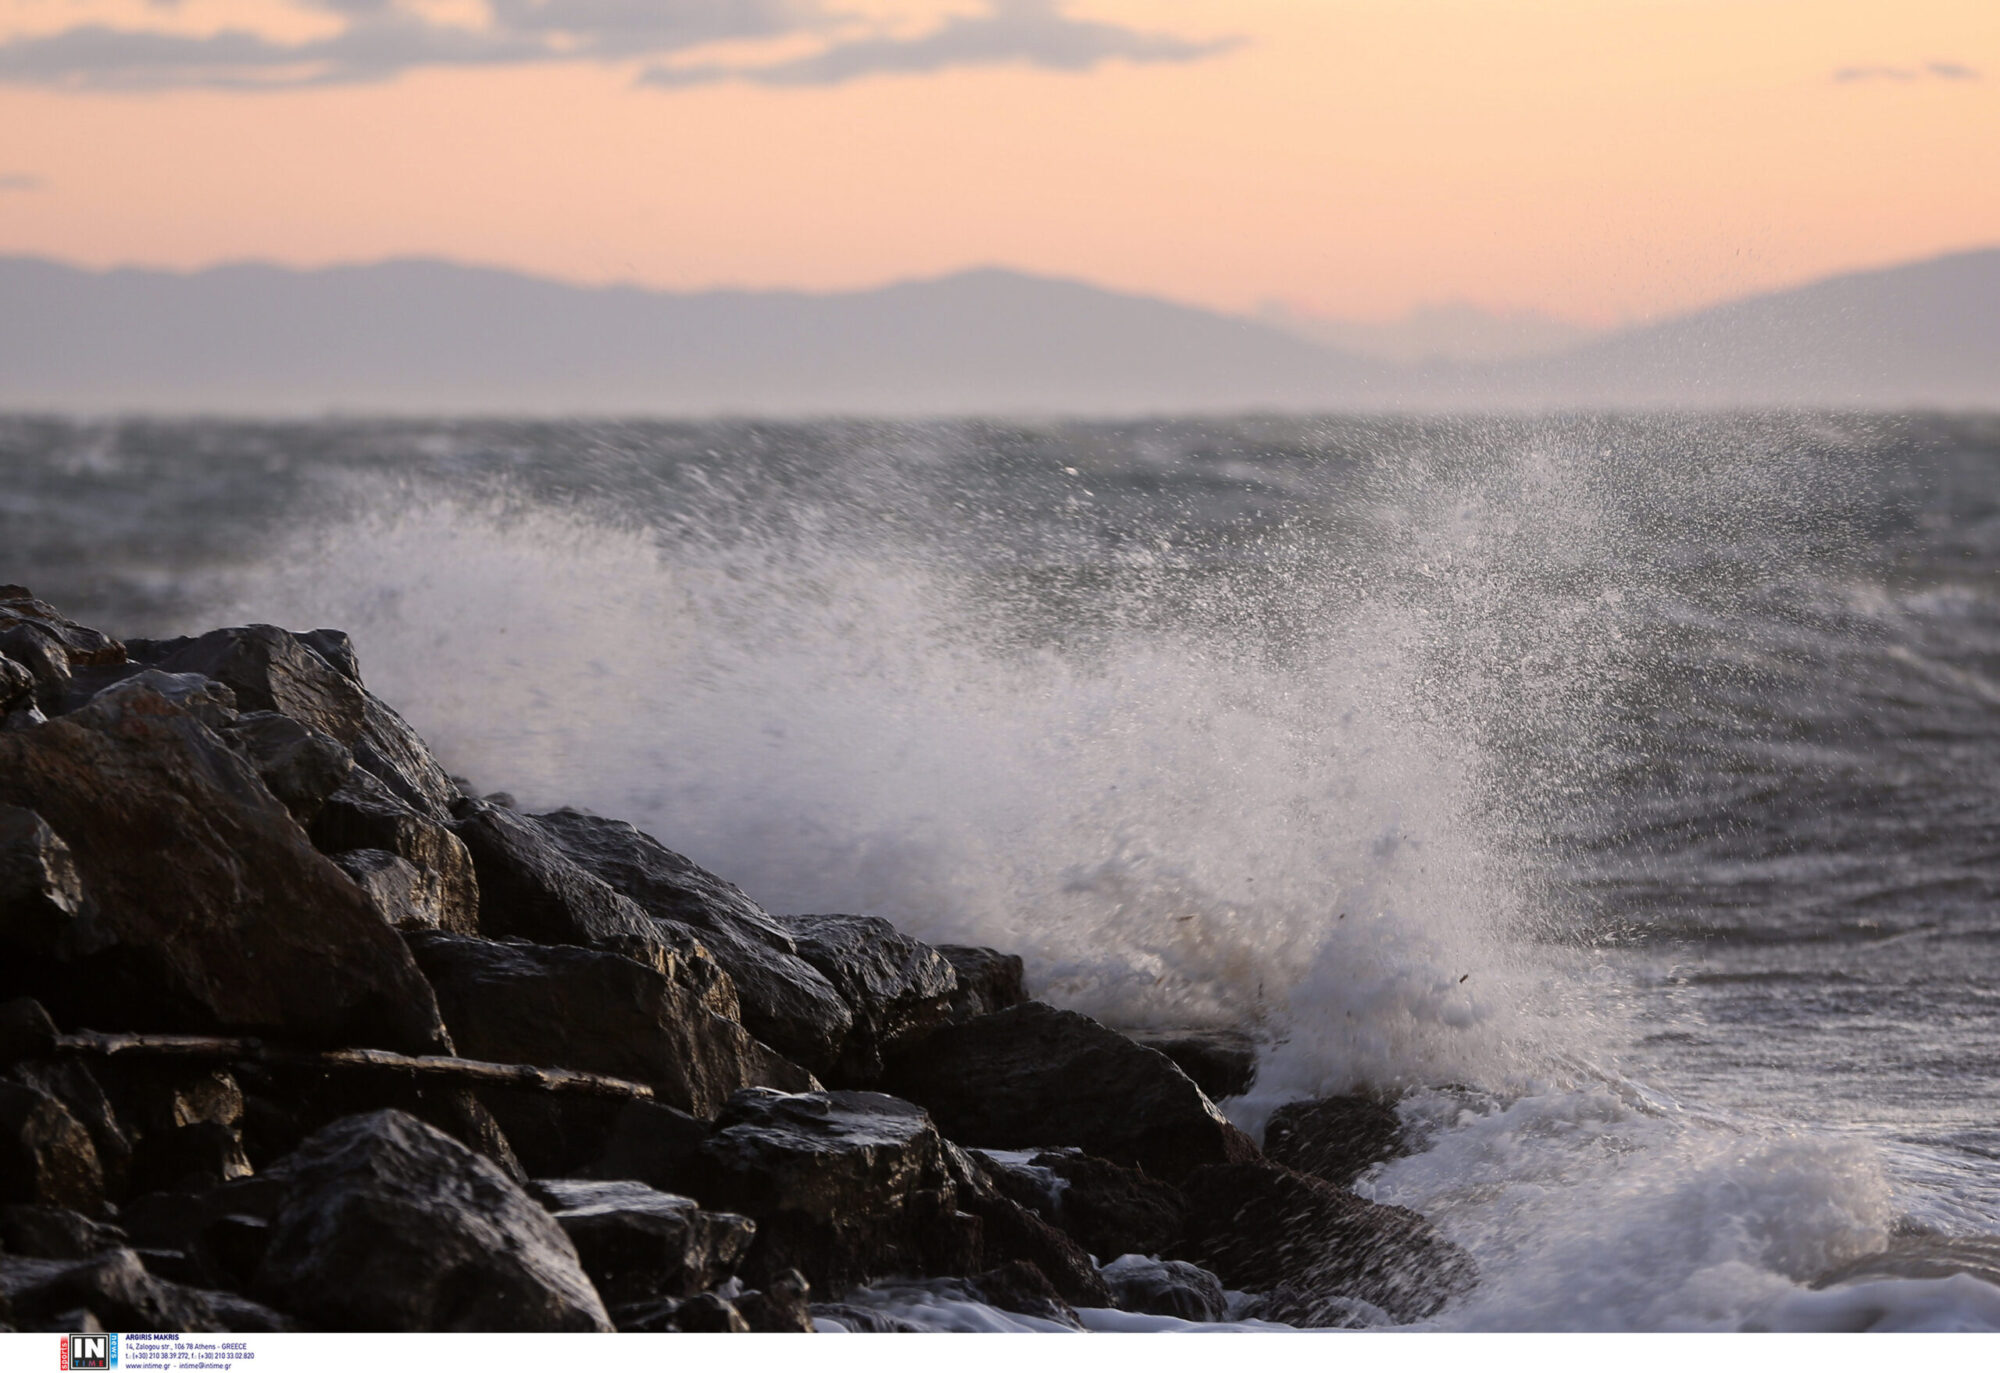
<point x="298" y="1035"/>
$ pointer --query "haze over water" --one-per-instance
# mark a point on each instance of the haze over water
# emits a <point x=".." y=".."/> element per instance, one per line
<point x="1622" y="786"/>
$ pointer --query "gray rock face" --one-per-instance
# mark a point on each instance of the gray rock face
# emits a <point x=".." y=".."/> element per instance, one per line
<point x="1033" y="1075"/>
<point x="638" y="1244"/>
<point x="786" y="1002"/>
<point x="530" y="889"/>
<point x="1262" y="1227"/>
<point x="301" y="767"/>
<point x="1334" y="1139"/>
<point x="46" y="1156"/>
<point x="1165" y="1287"/>
<point x="365" y="814"/>
<point x="897" y="987"/>
<point x="566" y="1007"/>
<point x="118" y="1292"/>
<point x="399" y="893"/>
<point x="207" y="907"/>
<point x="988" y="980"/>
<point x="387" y="1224"/>
<point x="844" y="1187"/>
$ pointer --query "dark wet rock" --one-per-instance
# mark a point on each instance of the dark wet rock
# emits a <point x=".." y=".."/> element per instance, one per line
<point x="399" y="893"/>
<point x="675" y="953"/>
<point x="26" y="1031"/>
<point x="338" y="650"/>
<point x="529" y="888"/>
<point x="184" y="1122"/>
<point x="1021" y="1287"/>
<point x="387" y="1224"/>
<point x="1260" y="1226"/>
<point x="77" y="1088"/>
<point x="207" y="907"/>
<point x="897" y="987"/>
<point x="844" y="1187"/>
<point x="115" y="1288"/>
<point x="988" y="980"/>
<point x="1335" y="1139"/>
<point x="41" y="891"/>
<point x="638" y="1244"/>
<point x="17" y="685"/>
<point x="1012" y="1231"/>
<point x="300" y="766"/>
<point x="365" y="814"/>
<point x="47" y="662"/>
<point x="273" y="669"/>
<point x="786" y="1001"/>
<point x="219" y="1234"/>
<point x="1106" y="1207"/>
<point x="46" y="1156"/>
<point x="1033" y="1075"/>
<point x="1165" y="1287"/>
<point x="209" y="701"/>
<point x="1223" y="1063"/>
<point x="84" y="647"/>
<point x="284" y="1104"/>
<point x="646" y="1141"/>
<point x="55" y="1232"/>
<point x="783" y="1307"/>
<point x="710" y="1314"/>
<point x="567" y="1007"/>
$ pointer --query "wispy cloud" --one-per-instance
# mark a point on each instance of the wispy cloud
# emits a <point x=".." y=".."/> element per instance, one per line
<point x="22" y="181"/>
<point x="376" y="40"/>
<point x="1928" y="71"/>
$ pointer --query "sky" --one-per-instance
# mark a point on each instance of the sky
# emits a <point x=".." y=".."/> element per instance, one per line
<point x="1598" y="160"/>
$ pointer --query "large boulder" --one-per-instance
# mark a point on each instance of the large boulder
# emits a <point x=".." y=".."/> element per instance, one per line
<point x="988" y="980"/>
<point x="37" y="638"/>
<point x="566" y="1007"/>
<point x="115" y="1289"/>
<point x="205" y="906"/>
<point x="1165" y="1287"/>
<point x="1223" y="1063"/>
<point x="301" y="766"/>
<point x="1335" y="1139"/>
<point x="844" y="1187"/>
<point x="364" y="815"/>
<point x="1262" y="1227"/>
<point x="529" y="888"/>
<point x="46" y="1156"/>
<point x="1033" y="1075"/>
<point x="786" y="1001"/>
<point x="1106" y="1207"/>
<point x="41" y="892"/>
<point x="898" y="988"/>
<point x="1014" y="1233"/>
<point x="638" y="1244"/>
<point x="273" y="669"/>
<point x="387" y="1224"/>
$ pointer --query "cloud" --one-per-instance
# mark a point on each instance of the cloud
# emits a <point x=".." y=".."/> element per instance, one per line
<point x="22" y="181"/>
<point x="377" y="40"/>
<point x="1033" y="32"/>
<point x="1928" y="71"/>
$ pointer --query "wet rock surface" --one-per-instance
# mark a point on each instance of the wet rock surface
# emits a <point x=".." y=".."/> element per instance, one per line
<point x="988" y="980"/>
<point x="639" y="1244"/>
<point x="1034" y="1075"/>
<point x="1165" y="1287"/>
<point x="897" y="987"/>
<point x="1223" y="1063"/>
<point x="1335" y="1139"/>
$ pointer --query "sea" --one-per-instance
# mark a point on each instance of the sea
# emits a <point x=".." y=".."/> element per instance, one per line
<point x="1622" y="790"/>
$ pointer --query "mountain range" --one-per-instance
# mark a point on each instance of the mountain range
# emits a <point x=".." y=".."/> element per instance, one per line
<point x="428" y="336"/>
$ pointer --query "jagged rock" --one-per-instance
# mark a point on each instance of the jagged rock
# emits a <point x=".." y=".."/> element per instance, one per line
<point x="1335" y="1139"/>
<point x="387" y="1224"/>
<point x="1021" y="1287"/>
<point x="184" y="1121"/>
<point x="1104" y="1206"/>
<point x="273" y="669"/>
<point x="638" y="1244"/>
<point x="207" y="907"/>
<point x="675" y="953"/>
<point x="783" y="1307"/>
<point x="844" y="1187"/>
<point x="207" y="700"/>
<point x="83" y="1097"/>
<point x="46" y="1156"/>
<point x="115" y="1288"/>
<point x="55" y="1232"/>
<point x="1033" y="1075"/>
<point x="1012" y="1231"/>
<point x="41" y="892"/>
<point x="1260" y="1226"/>
<point x="51" y="647"/>
<point x="47" y="663"/>
<point x="710" y="1314"/>
<point x="17" y="685"/>
<point x="897" y="987"/>
<point x="283" y="1104"/>
<point x="786" y="1002"/>
<point x="84" y="647"/>
<point x="300" y="766"/>
<point x="338" y="650"/>
<point x="566" y="1007"/>
<point x="26" y="1031"/>
<point x="1165" y="1287"/>
<point x="1223" y="1063"/>
<point x="530" y="889"/>
<point x="365" y="814"/>
<point x="399" y="893"/>
<point x="988" y="980"/>
<point x="647" y="1142"/>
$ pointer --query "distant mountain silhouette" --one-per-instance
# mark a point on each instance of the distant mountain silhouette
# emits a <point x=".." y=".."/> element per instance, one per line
<point x="423" y="336"/>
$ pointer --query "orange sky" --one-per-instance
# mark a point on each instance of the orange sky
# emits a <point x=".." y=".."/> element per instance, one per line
<point x="1599" y="159"/>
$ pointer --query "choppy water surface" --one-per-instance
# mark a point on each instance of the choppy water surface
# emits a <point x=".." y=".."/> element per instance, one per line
<point x="1627" y="785"/>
